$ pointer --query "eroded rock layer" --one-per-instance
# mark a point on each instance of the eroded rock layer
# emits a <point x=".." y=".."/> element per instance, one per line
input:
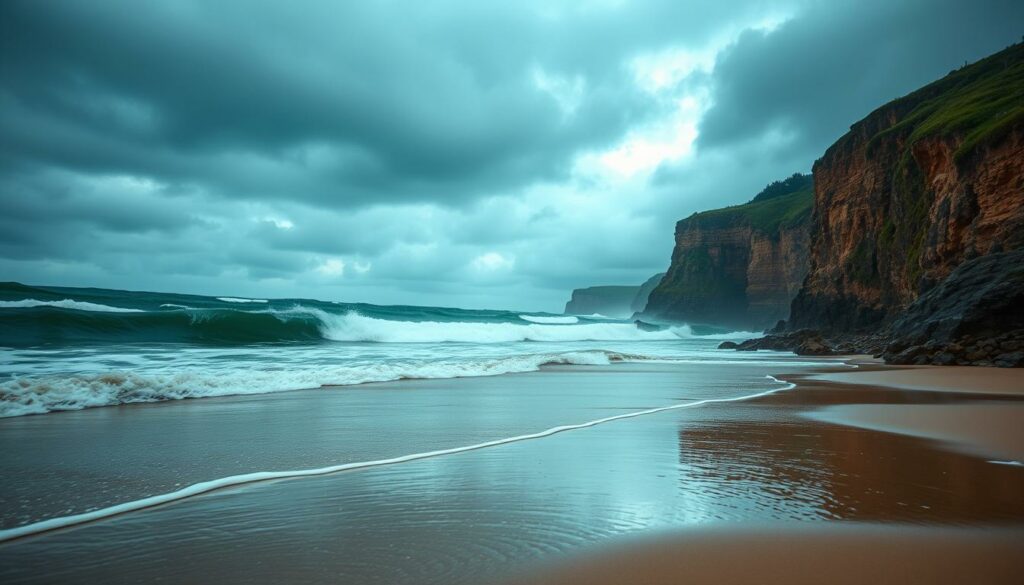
<point x="738" y="267"/>
<point x="914" y="190"/>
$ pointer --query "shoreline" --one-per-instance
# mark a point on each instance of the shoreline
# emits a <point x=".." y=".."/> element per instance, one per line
<point x="980" y="419"/>
<point x="713" y="478"/>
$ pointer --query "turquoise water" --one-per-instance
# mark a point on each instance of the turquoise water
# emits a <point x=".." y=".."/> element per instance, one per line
<point x="73" y="348"/>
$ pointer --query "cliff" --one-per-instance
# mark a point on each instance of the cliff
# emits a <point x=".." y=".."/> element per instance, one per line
<point x="740" y="266"/>
<point x="610" y="301"/>
<point x="639" y="302"/>
<point x="911" y="192"/>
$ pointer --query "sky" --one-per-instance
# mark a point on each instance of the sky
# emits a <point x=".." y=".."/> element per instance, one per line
<point x="472" y="154"/>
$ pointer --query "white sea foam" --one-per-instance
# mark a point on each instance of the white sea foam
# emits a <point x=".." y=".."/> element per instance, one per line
<point x="237" y="300"/>
<point x="355" y="327"/>
<point x="65" y="304"/>
<point x="247" y="478"/>
<point x="566" y="320"/>
<point x="174" y="306"/>
<point x="47" y="393"/>
<point x="729" y="335"/>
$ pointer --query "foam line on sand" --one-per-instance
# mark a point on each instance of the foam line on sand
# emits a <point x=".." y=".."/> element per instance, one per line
<point x="246" y="478"/>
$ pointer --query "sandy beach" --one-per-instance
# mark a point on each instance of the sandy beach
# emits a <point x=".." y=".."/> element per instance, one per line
<point x="964" y="379"/>
<point x="979" y="415"/>
<point x="798" y="555"/>
<point x="789" y="485"/>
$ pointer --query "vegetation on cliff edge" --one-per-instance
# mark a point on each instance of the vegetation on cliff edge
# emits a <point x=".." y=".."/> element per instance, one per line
<point x="980" y="102"/>
<point x="767" y="216"/>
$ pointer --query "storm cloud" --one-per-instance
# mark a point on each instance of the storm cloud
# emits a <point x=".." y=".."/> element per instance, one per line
<point x="456" y="153"/>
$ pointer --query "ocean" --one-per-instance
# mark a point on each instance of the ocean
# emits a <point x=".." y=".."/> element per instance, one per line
<point x="181" y="439"/>
<point x="73" y="348"/>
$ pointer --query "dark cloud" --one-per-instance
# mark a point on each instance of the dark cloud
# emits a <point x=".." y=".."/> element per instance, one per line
<point x="807" y="81"/>
<point x="351" y="102"/>
<point x="421" y="152"/>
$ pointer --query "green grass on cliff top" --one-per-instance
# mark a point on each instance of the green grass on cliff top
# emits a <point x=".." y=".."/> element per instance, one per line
<point x="767" y="216"/>
<point x="981" y="102"/>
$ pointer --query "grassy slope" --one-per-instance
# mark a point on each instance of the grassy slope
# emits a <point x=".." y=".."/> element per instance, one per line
<point x="980" y="102"/>
<point x="766" y="216"/>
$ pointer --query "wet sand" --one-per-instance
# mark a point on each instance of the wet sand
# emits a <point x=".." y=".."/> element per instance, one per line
<point x="799" y="555"/>
<point x="976" y="380"/>
<point x="991" y="430"/>
<point x="981" y="416"/>
<point x="722" y="473"/>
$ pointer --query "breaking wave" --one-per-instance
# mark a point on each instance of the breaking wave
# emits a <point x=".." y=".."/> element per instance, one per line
<point x="41" y="394"/>
<point x="566" y="320"/>
<point x="65" y="304"/>
<point x="238" y="300"/>
<point x="36" y="323"/>
<point x="353" y="326"/>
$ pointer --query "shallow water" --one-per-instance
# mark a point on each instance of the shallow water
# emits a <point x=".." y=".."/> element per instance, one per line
<point x="71" y="462"/>
<point x="470" y="517"/>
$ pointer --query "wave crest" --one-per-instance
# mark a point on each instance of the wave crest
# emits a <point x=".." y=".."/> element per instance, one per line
<point x="219" y="326"/>
<point x="353" y="326"/>
<point x="552" y="320"/>
<point x="65" y="304"/>
<point x="238" y="300"/>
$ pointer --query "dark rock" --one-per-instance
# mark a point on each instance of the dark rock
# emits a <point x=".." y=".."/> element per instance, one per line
<point x="976" y="315"/>
<point x="983" y="297"/>
<point x="780" y="342"/>
<point x="814" y="346"/>
<point x="728" y="345"/>
<point x="1010" y="360"/>
<point x="907" y="356"/>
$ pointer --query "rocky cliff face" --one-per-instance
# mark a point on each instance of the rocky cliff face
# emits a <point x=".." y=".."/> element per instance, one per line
<point x="914" y="190"/>
<point x="640" y="300"/>
<point x="610" y="301"/>
<point x="737" y="267"/>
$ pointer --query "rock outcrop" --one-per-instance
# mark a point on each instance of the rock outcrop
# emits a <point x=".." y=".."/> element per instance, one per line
<point x="911" y="192"/>
<point x="975" y="316"/>
<point x="739" y="267"/>
<point x="610" y="301"/>
<point x="644" y="293"/>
